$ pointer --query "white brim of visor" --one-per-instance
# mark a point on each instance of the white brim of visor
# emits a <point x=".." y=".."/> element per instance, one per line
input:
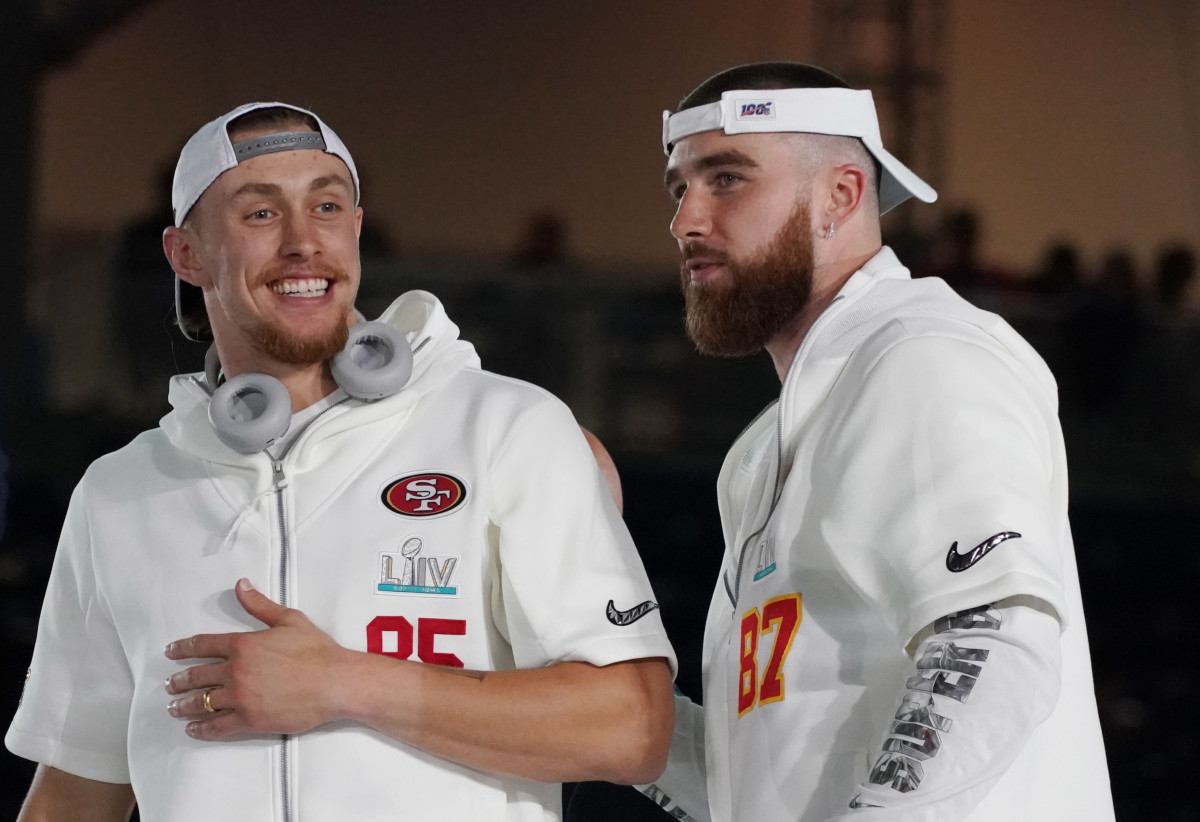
<point x="835" y="111"/>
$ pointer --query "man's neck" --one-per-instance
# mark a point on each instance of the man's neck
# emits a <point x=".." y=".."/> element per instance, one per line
<point x="306" y="384"/>
<point x="309" y="385"/>
<point x="828" y="279"/>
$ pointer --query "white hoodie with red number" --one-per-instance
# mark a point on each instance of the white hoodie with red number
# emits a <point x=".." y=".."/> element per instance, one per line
<point x="461" y="521"/>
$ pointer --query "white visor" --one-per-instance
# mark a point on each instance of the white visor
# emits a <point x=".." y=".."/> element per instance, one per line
<point x="840" y="112"/>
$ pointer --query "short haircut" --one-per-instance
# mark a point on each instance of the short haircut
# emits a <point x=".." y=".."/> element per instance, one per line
<point x="266" y="120"/>
<point x="781" y="75"/>
<point x="776" y="75"/>
<point x="271" y="119"/>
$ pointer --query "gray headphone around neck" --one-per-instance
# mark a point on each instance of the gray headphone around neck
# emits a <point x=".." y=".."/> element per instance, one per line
<point x="250" y="411"/>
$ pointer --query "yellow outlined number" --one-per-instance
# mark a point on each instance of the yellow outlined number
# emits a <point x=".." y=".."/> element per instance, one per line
<point x="780" y="615"/>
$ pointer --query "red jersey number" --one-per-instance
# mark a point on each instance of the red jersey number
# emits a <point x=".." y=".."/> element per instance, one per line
<point x="780" y="616"/>
<point x="393" y="636"/>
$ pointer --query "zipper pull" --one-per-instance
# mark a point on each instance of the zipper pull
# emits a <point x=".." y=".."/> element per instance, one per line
<point x="278" y="476"/>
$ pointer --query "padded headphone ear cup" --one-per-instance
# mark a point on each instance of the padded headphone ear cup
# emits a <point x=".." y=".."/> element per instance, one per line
<point x="376" y="361"/>
<point x="250" y="411"/>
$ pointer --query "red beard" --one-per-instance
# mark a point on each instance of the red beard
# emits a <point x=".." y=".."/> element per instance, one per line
<point x="738" y="314"/>
<point x="284" y="346"/>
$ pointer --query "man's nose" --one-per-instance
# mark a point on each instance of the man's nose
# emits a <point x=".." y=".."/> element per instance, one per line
<point x="299" y="236"/>
<point x="692" y="217"/>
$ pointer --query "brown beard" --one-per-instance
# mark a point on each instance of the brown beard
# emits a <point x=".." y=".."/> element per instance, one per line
<point x="738" y="314"/>
<point x="288" y="348"/>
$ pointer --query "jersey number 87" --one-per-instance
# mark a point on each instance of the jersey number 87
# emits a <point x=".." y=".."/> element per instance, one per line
<point x="780" y="615"/>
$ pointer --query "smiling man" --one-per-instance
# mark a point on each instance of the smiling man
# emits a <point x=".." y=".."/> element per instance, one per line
<point x="352" y="575"/>
<point x="897" y="631"/>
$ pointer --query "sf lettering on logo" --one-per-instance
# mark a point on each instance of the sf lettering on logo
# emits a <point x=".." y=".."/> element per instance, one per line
<point x="780" y="616"/>
<point x="393" y="636"/>
<point x="425" y="493"/>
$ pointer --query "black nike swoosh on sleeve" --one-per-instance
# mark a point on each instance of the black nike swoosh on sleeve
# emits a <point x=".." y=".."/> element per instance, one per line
<point x="957" y="562"/>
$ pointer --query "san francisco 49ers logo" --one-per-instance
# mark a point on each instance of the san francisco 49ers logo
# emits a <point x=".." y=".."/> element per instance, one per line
<point x="424" y="495"/>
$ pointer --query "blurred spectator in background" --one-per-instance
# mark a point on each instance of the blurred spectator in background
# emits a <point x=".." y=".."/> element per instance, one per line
<point x="1173" y="274"/>
<point x="1172" y="374"/>
<point x="1059" y="272"/>
<point x="954" y="256"/>
<point x="1104" y="327"/>
<point x="150" y="347"/>
<point x="543" y="243"/>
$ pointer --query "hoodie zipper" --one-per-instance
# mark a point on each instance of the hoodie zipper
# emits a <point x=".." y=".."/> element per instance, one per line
<point x="805" y="344"/>
<point x="280" y="481"/>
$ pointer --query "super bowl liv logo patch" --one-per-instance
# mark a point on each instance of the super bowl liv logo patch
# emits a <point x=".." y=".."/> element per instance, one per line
<point x="766" y="558"/>
<point x="408" y="572"/>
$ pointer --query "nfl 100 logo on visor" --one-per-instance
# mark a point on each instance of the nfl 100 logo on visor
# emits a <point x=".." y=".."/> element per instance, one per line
<point x="408" y="572"/>
<point x="756" y="109"/>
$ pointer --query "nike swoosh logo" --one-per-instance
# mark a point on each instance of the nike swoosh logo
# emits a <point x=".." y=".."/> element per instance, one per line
<point x="632" y="615"/>
<point x="957" y="562"/>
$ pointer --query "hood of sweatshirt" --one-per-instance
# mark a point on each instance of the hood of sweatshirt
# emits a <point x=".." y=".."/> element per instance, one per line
<point x="438" y="355"/>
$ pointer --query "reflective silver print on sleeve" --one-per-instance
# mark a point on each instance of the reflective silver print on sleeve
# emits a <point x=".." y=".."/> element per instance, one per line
<point x="666" y="803"/>
<point x="944" y="669"/>
<point x="985" y="616"/>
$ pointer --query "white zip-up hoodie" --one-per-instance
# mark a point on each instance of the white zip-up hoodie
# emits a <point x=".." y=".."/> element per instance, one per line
<point x="461" y="521"/>
<point x="910" y="425"/>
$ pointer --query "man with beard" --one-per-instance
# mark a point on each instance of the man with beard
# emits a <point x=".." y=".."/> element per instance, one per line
<point x="897" y="631"/>
<point x="400" y="505"/>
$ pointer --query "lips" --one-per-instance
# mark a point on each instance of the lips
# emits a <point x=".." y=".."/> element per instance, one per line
<point x="701" y="262"/>
<point x="697" y="265"/>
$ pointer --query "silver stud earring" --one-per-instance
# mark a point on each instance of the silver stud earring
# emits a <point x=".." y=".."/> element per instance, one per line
<point x="829" y="232"/>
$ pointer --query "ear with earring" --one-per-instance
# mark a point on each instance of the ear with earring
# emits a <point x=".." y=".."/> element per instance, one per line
<point x="829" y="231"/>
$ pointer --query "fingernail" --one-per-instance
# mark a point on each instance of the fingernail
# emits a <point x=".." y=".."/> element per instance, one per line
<point x="191" y="729"/>
<point x="173" y="707"/>
<point x="244" y="584"/>
<point x="170" y="647"/>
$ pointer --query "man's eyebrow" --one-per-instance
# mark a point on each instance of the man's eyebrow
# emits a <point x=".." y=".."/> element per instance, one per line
<point x="265" y="189"/>
<point x="330" y="180"/>
<point x="721" y="159"/>
<point x="271" y="189"/>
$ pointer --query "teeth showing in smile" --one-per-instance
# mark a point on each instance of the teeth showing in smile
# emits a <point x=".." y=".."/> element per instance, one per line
<point x="311" y="287"/>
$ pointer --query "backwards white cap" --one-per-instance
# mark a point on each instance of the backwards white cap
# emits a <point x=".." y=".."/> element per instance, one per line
<point x="840" y="112"/>
<point x="209" y="154"/>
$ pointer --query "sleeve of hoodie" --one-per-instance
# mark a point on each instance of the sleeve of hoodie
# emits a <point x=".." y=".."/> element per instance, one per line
<point x="944" y="500"/>
<point x="572" y="586"/>
<point x="74" y="712"/>
<point x="943" y="446"/>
